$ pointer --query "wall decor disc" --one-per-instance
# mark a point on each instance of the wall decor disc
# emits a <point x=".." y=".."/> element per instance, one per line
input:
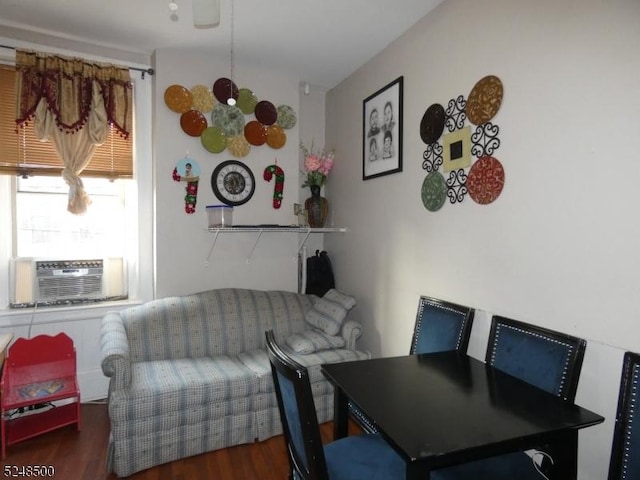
<point x="238" y="146"/>
<point x="484" y="100"/>
<point x="266" y="112"/>
<point x="485" y="180"/>
<point x="432" y="124"/>
<point x="286" y="117"/>
<point x="193" y="123"/>
<point x="255" y="133"/>
<point x="224" y="89"/>
<point x="247" y="101"/>
<point x="228" y="118"/>
<point x="213" y="139"/>
<point x="178" y="98"/>
<point x="202" y="98"/>
<point x="233" y="182"/>
<point x="434" y="191"/>
<point x="276" y="138"/>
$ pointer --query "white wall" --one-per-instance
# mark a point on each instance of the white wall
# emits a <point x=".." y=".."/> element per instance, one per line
<point x="559" y="246"/>
<point x="182" y="243"/>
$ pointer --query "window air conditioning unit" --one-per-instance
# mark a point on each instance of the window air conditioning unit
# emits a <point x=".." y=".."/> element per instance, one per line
<point x="61" y="282"/>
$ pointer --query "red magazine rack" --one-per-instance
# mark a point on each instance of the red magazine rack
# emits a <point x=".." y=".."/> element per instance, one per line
<point x="38" y="371"/>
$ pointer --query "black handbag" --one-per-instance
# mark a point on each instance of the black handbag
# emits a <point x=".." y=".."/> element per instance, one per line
<point x="319" y="274"/>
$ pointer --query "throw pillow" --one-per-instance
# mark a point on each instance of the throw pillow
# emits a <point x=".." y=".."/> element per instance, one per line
<point x="311" y="341"/>
<point x="328" y="313"/>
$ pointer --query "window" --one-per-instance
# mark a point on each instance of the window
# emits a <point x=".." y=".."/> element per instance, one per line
<point x="34" y="208"/>
<point x="44" y="228"/>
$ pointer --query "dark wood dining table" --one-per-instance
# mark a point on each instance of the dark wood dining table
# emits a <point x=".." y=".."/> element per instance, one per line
<point x="440" y="409"/>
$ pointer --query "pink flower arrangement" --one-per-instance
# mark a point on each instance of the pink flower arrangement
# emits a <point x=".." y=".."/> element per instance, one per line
<point x="317" y="165"/>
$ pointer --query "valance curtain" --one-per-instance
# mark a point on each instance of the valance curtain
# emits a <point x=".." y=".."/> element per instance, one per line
<point x="72" y="103"/>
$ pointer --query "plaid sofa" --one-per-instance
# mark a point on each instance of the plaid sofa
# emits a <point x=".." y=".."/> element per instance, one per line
<point x="190" y="374"/>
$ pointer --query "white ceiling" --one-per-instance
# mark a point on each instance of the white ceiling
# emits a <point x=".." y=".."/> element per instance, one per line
<point x="319" y="41"/>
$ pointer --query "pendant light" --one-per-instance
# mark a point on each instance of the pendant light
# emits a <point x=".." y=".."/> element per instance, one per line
<point x="231" y="101"/>
<point x="206" y="13"/>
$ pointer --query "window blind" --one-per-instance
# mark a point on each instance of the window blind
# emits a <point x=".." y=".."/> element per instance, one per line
<point x="21" y="153"/>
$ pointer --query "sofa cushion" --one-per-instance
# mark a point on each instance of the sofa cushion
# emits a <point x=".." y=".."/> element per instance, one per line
<point x="311" y="341"/>
<point x="169" y="385"/>
<point x="258" y="362"/>
<point x="328" y="312"/>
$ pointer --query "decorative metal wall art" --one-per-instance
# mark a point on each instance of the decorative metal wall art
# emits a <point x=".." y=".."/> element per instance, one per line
<point x="456" y="114"/>
<point x="485" y="139"/>
<point x="463" y="147"/>
<point x="432" y="157"/>
<point x="457" y="185"/>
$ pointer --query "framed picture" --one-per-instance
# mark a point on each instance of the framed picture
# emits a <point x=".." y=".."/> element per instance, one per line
<point x="382" y="131"/>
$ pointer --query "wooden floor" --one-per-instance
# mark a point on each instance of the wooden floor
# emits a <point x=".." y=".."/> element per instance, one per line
<point x="81" y="455"/>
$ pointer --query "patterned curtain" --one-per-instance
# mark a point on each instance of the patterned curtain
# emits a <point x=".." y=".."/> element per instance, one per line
<point x="73" y="103"/>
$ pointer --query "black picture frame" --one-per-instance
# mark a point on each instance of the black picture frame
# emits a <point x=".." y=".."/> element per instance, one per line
<point x="380" y="158"/>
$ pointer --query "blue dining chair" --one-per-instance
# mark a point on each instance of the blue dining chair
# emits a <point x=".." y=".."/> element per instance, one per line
<point x="625" y="450"/>
<point x="440" y="326"/>
<point x="366" y="456"/>
<point x="545" y="358"/>
<point x="551" y="361"/>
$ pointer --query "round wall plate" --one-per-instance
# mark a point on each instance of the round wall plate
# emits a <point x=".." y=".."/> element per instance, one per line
<point x="224" y="89"/>
<point x="432" y="124"/>
<point x="434" y="191"/>
<point x="178" y="98"/>
<point x="484" y="100"/>
<point x="486" y="180"/>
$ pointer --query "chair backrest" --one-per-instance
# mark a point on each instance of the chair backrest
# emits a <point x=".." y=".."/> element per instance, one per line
<point x="625" y="450"/>
<point x="297" y="413"/>
<point x="545" y="358"/>
<point x="441" y="326"/>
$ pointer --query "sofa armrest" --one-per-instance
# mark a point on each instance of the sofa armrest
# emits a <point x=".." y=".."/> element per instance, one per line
<point x="116" y="362"/>
<point x="351" y="331"/>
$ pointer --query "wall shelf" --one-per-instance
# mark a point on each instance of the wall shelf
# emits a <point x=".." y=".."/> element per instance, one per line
<point x="259" y="230"/>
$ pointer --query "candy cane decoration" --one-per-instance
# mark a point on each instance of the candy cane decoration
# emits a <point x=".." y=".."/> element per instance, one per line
<point x="269" y="172"/>
<point x="191" y="192"/>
